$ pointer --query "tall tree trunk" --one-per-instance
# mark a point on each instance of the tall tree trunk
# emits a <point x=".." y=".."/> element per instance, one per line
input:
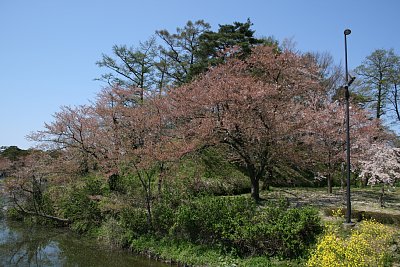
<point x="395" y="102"/>
<point x="364" y="182"/>
<point x="255" y="175"/>
<point x="255" y="188"/>
<point x="379" y="104"/>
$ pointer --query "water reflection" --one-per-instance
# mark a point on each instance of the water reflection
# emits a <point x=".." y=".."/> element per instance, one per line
<point x="23" y="245"/>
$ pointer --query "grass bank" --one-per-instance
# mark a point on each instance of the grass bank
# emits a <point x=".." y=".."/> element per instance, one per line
<point x="188" y="254"/>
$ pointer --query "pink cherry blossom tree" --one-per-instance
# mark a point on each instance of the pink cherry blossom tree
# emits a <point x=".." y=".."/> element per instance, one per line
<point x="381" y="165"/>
<point x="259" y="108"/>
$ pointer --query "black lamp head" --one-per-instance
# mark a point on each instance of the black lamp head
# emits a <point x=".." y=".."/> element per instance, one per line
<point x="347" y="32"/>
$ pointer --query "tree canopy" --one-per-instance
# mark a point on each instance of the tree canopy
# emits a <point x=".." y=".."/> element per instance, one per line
<point x="379" y="75"/>
<point x="265" y="105"/>
<point x="176" y="58"/>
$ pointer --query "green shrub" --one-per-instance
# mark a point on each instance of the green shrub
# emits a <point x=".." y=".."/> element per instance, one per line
<point x="181" y="253"/>
<point x="238" y="226"/>
<point x="83" y="212"/>
<point x="112" y="233"/>
<point x="210" y="219"/>
<point x="280" y="231"/>
<point x="134" y="221"/>
<point x="14" y="214"/>
<point x="80" y="203"/>
<point x="277" y="230"/>
<point x="94" y="186"/>
<point x="123" y="183"/>
<point x="163" y="217"/>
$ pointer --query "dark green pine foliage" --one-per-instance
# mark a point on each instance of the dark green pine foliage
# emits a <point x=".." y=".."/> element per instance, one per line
<point x="13" y="153"/>
<point x="214" y="46"/>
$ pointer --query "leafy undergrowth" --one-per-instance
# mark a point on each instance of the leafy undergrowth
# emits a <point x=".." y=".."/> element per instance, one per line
<point x="188" y="254"/>
<point x="218" y="231"/>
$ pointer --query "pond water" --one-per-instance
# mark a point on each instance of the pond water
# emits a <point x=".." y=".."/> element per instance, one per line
<point x="31" y="245"/>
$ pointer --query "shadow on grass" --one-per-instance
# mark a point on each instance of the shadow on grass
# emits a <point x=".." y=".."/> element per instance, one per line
<point x="360" y="215"/>
<point x="365" y="201"/>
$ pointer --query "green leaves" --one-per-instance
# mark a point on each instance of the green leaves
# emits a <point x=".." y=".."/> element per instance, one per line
<point x="380" y="77"/>
<point x="236" y="224"/>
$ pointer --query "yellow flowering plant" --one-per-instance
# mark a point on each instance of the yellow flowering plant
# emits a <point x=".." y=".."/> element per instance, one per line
<point x="367" y="245"/>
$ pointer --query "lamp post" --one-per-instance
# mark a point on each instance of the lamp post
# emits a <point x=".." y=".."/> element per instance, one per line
<point x="347" y="95"/>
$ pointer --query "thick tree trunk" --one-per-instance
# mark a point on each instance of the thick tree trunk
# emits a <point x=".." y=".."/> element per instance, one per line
<point x="255" y="188"/>
<point x="396" y="102"/>
<point x="364" y="182"/>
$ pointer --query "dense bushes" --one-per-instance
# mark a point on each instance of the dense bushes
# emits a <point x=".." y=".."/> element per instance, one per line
<point x="282" y="231"/>
<point x="80" y="206"/>
<point x="134" y="220"/>
<point x="237" y="225"/>
<point x="232" y="225"/>
<point x="164" y="213"/>
<point x="83" y="212"/>
<point x="212" y="219"/>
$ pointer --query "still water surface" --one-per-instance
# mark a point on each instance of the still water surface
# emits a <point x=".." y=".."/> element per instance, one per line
<point x="31" y="245"/>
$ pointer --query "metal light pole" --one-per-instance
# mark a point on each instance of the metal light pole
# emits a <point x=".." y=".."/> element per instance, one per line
<point x="347" y="95"/>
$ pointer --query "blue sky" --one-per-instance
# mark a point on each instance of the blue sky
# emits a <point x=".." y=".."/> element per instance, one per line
<point x="48" y="48"/>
